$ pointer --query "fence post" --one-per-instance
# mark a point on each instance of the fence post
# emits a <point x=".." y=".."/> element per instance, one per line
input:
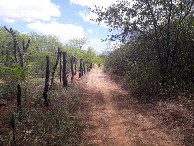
<point x="46" y="82"/>
<point x="65" y="82"/>
<point x="54" y="68"/>
<point x="90" y="65"/>
<point x="75" y="61"/>
<point x="84" y="67"/>
<point x="80" y="70"/>
<point x="19" y="100"/>
<point x="87" y="66"/>
<point x="72" y="72"/>
<point x="60" y="53"/>
<point x="13" y="126"/>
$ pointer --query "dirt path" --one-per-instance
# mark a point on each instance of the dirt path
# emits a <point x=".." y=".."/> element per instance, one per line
<point x="114" y="119"/>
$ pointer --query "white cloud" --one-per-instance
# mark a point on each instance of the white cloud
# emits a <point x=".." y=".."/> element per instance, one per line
<point x="90" y="30"/>
<point x="63" y="31"/>
<point x="97" y="44"/>
<point x="28" y="10"/>
<point x="92" y="3"/>
<point x="96" y="41"/>
<point x="8" y="20"/>
<point x="97" y="48"/>
<point x="89" y="17"/>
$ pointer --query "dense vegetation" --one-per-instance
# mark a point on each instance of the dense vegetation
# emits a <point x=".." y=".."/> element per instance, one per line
<point x="155" y="55"/>
<point x="23" y="64"/>
<point x="33" y="51"/>
<point x="157" y="43"/>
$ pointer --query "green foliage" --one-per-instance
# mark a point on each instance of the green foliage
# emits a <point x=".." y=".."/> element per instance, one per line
<point x="86" y="55"/>
<point x="54" y="126"/>
<point x="34" y="48"/>
<point x="11" y="75"/>
<point x="78" y="42"/>
<point x="37" y="124"/>
<point x="157" y="50"/>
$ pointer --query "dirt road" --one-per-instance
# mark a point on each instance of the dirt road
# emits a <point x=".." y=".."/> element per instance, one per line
<point x="114" y="118"/>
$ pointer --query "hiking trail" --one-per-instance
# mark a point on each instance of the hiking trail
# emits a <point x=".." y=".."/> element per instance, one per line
<point x="114" y="117"/>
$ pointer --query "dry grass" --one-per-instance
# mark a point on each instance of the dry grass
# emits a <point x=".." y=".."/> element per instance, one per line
<point x="40" y="125"/>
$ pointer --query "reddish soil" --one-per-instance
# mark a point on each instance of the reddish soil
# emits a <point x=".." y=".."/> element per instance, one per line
<point x="7" y="107"/>
<point x="76" y="77"/>
<point x="116" y="118"/>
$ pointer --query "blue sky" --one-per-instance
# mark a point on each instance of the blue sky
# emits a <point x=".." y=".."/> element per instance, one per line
<point x="66" y="19"/>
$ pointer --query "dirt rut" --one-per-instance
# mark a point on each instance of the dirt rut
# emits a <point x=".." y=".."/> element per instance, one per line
<point x="112" y="124"/>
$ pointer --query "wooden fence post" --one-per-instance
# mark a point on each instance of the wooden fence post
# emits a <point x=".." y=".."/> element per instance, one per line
<point x="54" y="68"/>
<point x="75" y="61"/>
<point x="60" y="66"/>
<point x="84" y="67"/>
<point x="90" y="65"/>
<point x="87" y="66"/>
<point x="46" y="82"/>
<point x="13" y="126"/>
<point x="19" y="100"/>
<point x="65" y="82"/>
<point x="80" y="70"/>
<point x="72" y="72"/>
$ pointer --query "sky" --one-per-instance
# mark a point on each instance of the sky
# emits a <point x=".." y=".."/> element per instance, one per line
<point x="66" y="19"/>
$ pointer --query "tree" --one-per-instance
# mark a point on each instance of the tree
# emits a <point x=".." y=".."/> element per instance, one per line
<point x="155" y="29"/>
<point x="78" y="42"/>
<point x="156" y="16"/>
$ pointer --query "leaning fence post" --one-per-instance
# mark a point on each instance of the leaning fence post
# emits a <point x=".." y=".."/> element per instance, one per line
<point x="46" y="82"/>
<point x="65" y="82"/>
<point x="72" y="72"/>
<point x="54" y="68"/>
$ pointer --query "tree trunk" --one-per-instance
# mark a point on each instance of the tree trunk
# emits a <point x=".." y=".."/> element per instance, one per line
<point x="157" y="43"/>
